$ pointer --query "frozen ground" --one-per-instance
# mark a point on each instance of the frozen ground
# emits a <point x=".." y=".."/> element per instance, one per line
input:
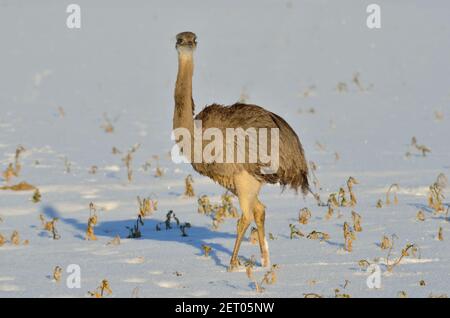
<point x="122" y="62"/>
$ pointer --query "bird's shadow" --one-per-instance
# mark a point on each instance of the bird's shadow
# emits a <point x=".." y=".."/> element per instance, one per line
<point x="197" y="235"/>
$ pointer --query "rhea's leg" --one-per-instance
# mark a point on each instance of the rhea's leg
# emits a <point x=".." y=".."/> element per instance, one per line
<point x="247" y="188"/>
<point x="259" y="213"/>
<point x="242" y="226"/>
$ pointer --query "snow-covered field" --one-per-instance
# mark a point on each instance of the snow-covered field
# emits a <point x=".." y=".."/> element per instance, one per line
<point x="56" y="84"/>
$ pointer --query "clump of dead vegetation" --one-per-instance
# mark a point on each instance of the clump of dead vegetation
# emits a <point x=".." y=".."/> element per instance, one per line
<point x="2" y="240"/>
<point x="440" y="235"/>
<point x="92" y="222"/>
<point x="159" y="172"/>
<point x="147" y="206"/>
<point x="21" y="186"/>
<point x="13" y="169"/>
<point x="57" y="273"/>
<point x="168" y="222"/>
<point x="350" y="183"/>
<point x="184" y="227"/>
<point x="102" y="290"/>
<point x="206" y="250"/>
<point x="295" y="232"/>
<point x="36" y="196"/>
<point x="128" y="160"/>
<point x="356" y="222"/>
<point x="316" y="235"/>
<point x="349" y="237"/>
<point x="379" y="204"/>
<point x="218" y="212"/>
<point x="189" y="188"/>
<point x="420" y="216"/>
<point x="269" y="278"/>
<point x="50" y="226"/>
<point x="411" y="249"/>
<point x="340" y="199"/>
<point x="422" y="149"/>
<point x="93" y="169"/>
<point x="436" y="196"/>
<point x="108" y="126"/>
<point x="204" y="205"/>
<point x="386" y="243"/>
<point x="312" y="171"/>
<point x="304" y="216"/>
<point x="134" y="231"/>
<point x="170" y="218"/>
<point x="393" y="188"/>
<point x="14" y="239"/>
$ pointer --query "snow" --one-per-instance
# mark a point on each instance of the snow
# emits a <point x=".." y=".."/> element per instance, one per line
<point x="122" y="62"/>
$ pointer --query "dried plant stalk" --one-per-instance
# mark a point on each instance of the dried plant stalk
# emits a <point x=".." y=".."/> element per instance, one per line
<point x="440" y="234"/>
<point x="356" y="221"/>
<point x="92" y="221"/>
<point x="146" y="206"/>
<point x="350" y="183"/>
<point x="249" y="265"/>
<point x="337" y="294"/>
<point x="341" y="197"/>
<point x="15" y="238"/>
<point x="316" y="235"/>
<point x="421" y="148"/>
<point x="420" y="216"/>
<point x="304" y="216"/>
<point x="295" y="232"/>
<point x="128" y="160"/>
<point x="9" y="173"/>
<point x="409" y="248"/>
<point x="103" y="289"/>
<point x="189" y="188"/>
<point x="364" y="264"/>
<point x="57" y="272"/>
<point x="385" y="243"/>
<point x="349" y="237"/>
<point x="435" y="198"/>
<point x="379" y="204"/>
<point x="330" y="213"/>
<point x="50" y="226"/>
<point x="270" y="277"/>
<point x="206" y="250"/>
<point x="22" y="186"/>
<point x="392" y="189"/>
<point x="204" y="205"/>
<point x="36" y="196"/>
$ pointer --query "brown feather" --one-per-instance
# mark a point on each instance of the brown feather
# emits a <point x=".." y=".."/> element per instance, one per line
<point x="293" y="169"/>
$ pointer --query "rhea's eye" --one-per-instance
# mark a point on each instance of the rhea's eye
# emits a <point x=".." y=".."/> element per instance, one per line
<point x="179" y="41"/>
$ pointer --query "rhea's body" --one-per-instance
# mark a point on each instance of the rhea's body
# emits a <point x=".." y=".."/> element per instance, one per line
<point x="244" y="179"/>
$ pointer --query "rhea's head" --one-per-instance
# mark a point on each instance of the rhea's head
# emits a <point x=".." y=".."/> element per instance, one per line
<point x="186" y="42"/>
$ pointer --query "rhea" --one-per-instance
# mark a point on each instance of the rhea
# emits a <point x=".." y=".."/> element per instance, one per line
<point x="243" y="179"/>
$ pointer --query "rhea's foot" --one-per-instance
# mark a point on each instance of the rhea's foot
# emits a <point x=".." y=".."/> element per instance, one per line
<point x="234" y="266"/>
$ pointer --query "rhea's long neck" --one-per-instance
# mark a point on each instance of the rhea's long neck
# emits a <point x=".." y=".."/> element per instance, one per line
<point x="184" y="105"/>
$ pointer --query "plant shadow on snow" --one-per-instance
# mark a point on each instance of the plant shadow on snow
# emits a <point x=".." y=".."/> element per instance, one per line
<point x="197" y="235"/>
<point x="429" y="210"/>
